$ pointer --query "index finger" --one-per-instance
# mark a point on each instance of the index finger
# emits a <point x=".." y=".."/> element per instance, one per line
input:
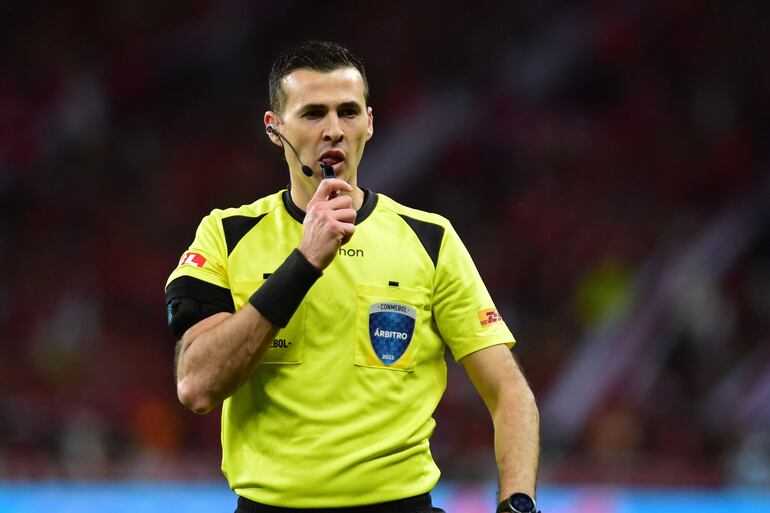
<point x="328" y="186"/>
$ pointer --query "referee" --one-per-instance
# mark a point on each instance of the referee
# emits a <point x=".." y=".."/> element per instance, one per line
<point x="318" y="318"/>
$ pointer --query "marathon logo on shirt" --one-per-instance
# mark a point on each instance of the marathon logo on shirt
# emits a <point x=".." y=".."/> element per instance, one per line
<point x="391" y="326"/>
<point x="488" y="317"/>
<point x="192" y="258"/>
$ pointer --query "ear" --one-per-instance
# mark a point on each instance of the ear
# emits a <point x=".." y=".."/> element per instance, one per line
<point x="370" y="128"/>
<point x="271" y="118"/>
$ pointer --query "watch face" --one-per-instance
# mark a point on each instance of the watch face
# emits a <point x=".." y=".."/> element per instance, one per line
<point x="522" y="503"/>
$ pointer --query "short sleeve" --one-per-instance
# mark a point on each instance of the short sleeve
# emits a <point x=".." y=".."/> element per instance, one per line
<point x="202" y="270"/>
<point x="462" y="307"/>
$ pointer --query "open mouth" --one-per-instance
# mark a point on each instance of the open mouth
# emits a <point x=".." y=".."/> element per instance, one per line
<point x="334" y="158"/>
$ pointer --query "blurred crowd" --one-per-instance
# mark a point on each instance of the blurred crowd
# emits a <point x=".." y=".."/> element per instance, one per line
<point x="607" y="168"/>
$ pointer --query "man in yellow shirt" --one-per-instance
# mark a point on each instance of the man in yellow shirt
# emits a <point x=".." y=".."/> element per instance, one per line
<point x="318" y="317"/>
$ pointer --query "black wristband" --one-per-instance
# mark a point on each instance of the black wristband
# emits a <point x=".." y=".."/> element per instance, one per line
<point x="279" y="297"/>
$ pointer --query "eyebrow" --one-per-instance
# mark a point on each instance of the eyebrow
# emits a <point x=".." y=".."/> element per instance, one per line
<point x="324" y="107"/>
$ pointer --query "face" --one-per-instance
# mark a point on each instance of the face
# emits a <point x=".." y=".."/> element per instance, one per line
<point x="326" y="119"/>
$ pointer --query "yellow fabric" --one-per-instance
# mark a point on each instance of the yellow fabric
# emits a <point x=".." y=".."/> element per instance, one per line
<point x="324" y="422"/>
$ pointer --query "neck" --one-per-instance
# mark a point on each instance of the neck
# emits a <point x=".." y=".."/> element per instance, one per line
<point x="303" y="189"/>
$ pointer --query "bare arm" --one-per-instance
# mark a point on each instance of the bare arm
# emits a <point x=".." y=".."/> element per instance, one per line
<point x="505" y="391"/>
<point x="216" y="356"/>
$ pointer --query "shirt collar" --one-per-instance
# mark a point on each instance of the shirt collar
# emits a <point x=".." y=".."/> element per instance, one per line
<point x="367" y="207"/>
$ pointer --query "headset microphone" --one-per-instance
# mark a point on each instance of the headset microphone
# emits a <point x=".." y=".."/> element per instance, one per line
<point x="305" y="169"/>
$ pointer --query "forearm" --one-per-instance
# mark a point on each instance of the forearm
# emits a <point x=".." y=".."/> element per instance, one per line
<point x="215" y="360"/>
<point x="511" y="403"/>
<point x="517" y="440"/>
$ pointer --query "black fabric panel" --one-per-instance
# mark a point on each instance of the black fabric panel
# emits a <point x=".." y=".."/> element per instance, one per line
<point x="236" y="227"/>
<point x="367" y="207"/>
<point x="419" y="504"/>
<point x="430" y="236"/>
<point x="294" y="211"/>
<point x="190" y="300"/>
<point x="205" y="292"/>
<point x="185" y="312"/>
<point x="280" y="296"/>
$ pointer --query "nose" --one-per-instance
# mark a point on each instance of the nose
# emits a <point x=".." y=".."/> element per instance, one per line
<point x="333" y="129"/>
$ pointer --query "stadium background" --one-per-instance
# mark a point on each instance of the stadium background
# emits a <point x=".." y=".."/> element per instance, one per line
<point x="606" y="163"/>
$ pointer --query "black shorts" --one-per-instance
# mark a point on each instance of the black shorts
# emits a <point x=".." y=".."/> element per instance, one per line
<point x="420" y="504"/>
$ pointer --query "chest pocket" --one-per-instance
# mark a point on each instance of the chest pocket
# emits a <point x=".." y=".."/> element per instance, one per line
<point x="388" y="324"/>
<point x="288" y="344"/>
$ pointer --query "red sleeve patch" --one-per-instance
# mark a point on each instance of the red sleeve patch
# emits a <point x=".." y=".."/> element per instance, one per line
<point x="192" y="258"/>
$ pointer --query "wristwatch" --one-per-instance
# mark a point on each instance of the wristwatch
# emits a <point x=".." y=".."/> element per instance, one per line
<point x="518" y="503"/>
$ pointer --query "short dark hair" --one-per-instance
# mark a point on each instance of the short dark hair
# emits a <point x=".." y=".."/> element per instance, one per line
<point x="321" y="56"/>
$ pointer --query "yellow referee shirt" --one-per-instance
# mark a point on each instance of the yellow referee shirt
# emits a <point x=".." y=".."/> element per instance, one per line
<point x="339" y="412"/>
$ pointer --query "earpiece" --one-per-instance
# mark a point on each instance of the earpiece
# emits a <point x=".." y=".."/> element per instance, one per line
<point x="270" y="129"/>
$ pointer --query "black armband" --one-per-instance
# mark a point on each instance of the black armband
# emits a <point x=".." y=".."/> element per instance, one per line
<point x="190" y="300"/>
<point x="184" y="312"/>
<point x="280" y="296"/>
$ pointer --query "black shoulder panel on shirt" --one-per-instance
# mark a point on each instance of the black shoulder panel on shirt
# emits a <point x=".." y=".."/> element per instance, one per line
<point x="430" y="236"/>
<point x="236" y="227"/>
